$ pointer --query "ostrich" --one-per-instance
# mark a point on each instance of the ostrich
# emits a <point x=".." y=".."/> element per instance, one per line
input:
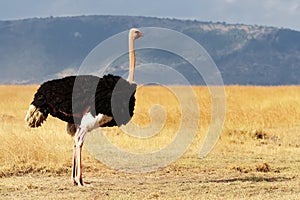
<point x="86" y="106"/>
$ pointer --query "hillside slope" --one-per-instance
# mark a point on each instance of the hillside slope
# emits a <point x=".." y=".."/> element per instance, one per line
<point x="34" y="50"/>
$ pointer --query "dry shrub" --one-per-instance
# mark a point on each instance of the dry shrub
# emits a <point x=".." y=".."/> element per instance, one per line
<point x="259" y="135"/>
<point x="247" y="134"/>
<point x="263" y="167"/>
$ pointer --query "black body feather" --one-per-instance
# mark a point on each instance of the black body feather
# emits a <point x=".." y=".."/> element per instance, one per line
<point x="70" y="97"/>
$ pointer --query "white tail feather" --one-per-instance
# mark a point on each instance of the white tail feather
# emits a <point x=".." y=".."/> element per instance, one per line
<point x="33" y="117"/>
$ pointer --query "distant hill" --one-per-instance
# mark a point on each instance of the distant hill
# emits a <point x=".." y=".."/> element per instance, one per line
<point x="34" y="50"/>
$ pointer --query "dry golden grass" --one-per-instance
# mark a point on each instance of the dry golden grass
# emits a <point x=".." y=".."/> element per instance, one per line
<point x="23" y="149"/>
<point x="256" y="157"/>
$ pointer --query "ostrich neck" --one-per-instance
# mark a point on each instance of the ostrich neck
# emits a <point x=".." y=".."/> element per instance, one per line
<point x="131" y="60"/>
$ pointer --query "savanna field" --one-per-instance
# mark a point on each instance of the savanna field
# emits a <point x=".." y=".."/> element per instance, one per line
<point x="256" y="157"/>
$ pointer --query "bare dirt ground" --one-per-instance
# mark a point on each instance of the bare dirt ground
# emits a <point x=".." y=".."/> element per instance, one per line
<point x="187" y="185"/>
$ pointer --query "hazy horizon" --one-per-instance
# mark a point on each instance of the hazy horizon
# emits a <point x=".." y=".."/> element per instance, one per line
<point x="278" y="13"/>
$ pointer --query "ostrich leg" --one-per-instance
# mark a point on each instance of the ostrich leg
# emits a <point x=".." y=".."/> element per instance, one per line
<point x="88" y="123"/>
<point x="74" y="165"/>
<point x="77" y="162"/>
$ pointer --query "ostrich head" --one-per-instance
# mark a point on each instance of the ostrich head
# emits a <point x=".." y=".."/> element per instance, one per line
<point x="133" y="35"/>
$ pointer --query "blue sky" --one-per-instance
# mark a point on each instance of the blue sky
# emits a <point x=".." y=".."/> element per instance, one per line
<point x="279" y="13"/>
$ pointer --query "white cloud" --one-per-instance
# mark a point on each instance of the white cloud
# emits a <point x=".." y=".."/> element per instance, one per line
<point x="65" y="72"/>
